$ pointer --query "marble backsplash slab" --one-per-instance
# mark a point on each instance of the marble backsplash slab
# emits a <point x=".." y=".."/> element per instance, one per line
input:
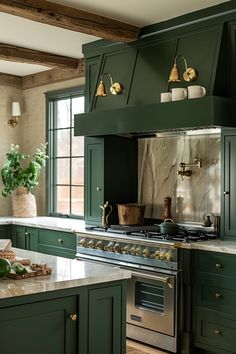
<point x="159" y="160"/>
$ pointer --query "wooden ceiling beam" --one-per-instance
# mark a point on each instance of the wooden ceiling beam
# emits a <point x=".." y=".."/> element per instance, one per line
<point x="25" y="55"/>
<point x="72" y="19"/>
<point x="10" y="80"/>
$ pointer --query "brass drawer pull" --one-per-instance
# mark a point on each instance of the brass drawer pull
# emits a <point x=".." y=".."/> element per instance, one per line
<point x="73" y="317"/>
<point x="60" y="240"/>
<point x="98" y="189"/>
<point x="218" y="296"/>
<point x="226" y="192"/>
<point x="217" y="332"/>
<point x="219" y="266"/>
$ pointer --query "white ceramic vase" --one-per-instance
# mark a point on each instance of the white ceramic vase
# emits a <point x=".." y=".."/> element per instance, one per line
<point x="24" y="204"/>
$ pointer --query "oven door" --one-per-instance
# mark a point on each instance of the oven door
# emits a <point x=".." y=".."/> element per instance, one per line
<point x="151" y="301"/>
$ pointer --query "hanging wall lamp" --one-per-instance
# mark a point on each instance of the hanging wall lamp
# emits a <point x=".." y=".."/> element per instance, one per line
<point x="115" y="87"/>
<point x="189" y="74"/>
<point x="15" y="113"/>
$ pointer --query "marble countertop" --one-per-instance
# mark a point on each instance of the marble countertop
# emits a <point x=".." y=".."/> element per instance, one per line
<point x="66" y="274"/>
<point x="52" y="223"/>
<point x="78" y="226"/>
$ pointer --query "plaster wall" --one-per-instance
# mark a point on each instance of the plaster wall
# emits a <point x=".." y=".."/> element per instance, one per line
<point x="30" y="132"/>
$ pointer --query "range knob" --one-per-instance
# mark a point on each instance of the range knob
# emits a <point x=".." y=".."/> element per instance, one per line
<point x="90" y="244"/>
<point x="138" y="251"/>
<point x="99" y="245"/>
<point x="157" y="254"/>
<point x="110" y="246"/>
<point x="168" y="256"/>
<point x="132" y="250"/>
<point x="162" y="255"/>
<point x="146" y="252"/>
<point x="117" y="248"/>
<point x="82" y="242"/>
<point x="125" y="250"/>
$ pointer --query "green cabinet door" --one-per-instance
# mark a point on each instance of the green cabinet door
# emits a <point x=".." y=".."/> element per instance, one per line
<point x="5" y="231"/>
<point x="41" y="327"/>
<point x="57" y="243"/>
<point x="91" y="78"/>
<point x="94" y="181"/>
<point x="25" y="238"/>
<point x="228" y="192"/>
<point x="105" y="333"/>
<point x="110" y="175"/>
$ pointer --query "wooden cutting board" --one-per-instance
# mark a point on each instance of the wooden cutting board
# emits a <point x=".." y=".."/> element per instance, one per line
<point x="30" y="274"/>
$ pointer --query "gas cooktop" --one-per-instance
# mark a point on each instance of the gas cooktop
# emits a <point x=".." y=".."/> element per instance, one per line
<point x="184" y="234"/>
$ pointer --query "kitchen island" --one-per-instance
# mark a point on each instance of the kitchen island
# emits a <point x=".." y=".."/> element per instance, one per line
<point x="79" y="308"/>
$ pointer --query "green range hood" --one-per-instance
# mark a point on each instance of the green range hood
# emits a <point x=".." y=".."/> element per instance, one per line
<point x="199" y="113"/>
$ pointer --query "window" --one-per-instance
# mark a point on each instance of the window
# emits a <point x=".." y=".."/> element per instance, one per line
<point x="65" y="172"/>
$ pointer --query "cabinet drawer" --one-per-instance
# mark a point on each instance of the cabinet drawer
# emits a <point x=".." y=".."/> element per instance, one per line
<point x="215" y="331"/>
<point x="217" y="293"/>
<point x="57" y="239"/>
<point x="57" y="251"/>
<point x="216" y="263"/>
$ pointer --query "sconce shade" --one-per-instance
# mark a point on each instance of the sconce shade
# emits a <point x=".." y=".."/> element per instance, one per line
<point x="16" y="109"/>
<point x="174" y="74"/>
<point x="101" y="90"/>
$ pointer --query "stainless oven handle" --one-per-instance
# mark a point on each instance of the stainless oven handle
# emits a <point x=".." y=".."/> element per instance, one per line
<point x="165" y="280"/>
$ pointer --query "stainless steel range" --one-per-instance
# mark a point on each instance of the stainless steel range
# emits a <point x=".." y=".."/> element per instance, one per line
<point x="153" y="295"/>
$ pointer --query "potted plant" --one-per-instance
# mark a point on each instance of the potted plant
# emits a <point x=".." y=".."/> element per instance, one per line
<point x="21" y="175"/>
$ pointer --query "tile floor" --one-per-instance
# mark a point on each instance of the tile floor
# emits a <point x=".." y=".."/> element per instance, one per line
<point x="133" y="347"/>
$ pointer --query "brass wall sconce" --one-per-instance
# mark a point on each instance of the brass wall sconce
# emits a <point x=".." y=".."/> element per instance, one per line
<point x="189" y="74"/>
<point x="188" y="173"/>
<point x="15" y="113"/>
<point x="115" y="88"/>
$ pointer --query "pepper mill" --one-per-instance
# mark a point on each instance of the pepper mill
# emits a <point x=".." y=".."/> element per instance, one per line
<point x="167" y="205"/>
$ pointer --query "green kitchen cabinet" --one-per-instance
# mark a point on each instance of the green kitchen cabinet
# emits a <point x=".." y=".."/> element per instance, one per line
<point x="110" y="175"/>
<point x="25" y="238"/>
<point x="228" y="189"/>
<point x="40" y="327"/>
<point x="57" y="243"/>
<point x="80" y="320"/>
<point x="5" y="231"/>
<point x="214" y="304"/>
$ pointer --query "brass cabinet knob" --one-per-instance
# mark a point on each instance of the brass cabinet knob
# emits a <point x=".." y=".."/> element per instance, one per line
<point x="98" y="189"/>
<point x="226" y="192"/>
<point x="218" y="296"/>
<point x="27" y="233"/>
<point x="60" y="240"/>
<point x="73" y="317"/>
<point x="217" y="332"/>
<point x="219" y="266"/>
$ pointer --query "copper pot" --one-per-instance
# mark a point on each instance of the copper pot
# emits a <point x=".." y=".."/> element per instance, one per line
<point x="131" y="214"/>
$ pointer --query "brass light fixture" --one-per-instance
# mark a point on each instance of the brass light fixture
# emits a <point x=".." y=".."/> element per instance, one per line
<point x="115" y="88"/>
<point x="189" y="74"/>
<point x="16" y="113"/>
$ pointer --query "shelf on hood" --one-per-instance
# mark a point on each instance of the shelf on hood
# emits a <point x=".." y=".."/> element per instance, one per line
<point x="205" y="112"/>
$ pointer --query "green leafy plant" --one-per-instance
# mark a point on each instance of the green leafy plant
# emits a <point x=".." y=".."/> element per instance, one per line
<point x="18" y="172"/>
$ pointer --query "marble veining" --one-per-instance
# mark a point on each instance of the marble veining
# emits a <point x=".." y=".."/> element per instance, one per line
<point x="213" y="246"/>
<point x="159" y="160"/>
<point x="66" y="273"/>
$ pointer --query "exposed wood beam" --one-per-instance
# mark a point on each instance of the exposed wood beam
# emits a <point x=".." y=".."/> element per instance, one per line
<point x="10" y="80"/>
<point x="70" y="18"/>
<point x="52" y="76"/>
<point x="25" y="55"/>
